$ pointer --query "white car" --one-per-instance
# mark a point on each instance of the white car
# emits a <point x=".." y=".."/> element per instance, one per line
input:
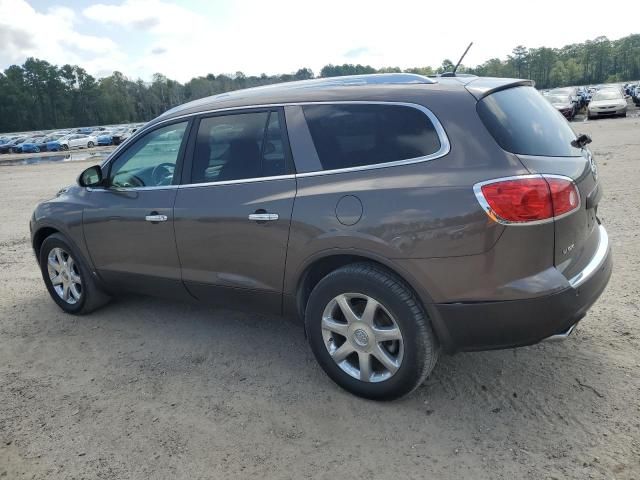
<point x="77" y="140"/>
<point x="607" y="101"/>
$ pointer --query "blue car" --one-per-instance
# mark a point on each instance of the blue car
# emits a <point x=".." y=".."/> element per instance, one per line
<point x="10" y="145"/>
<point x="53" y="146"/>
<point x="33" y="145"/>
<point x="105" y="139"/>
<point x="29" y="142"/>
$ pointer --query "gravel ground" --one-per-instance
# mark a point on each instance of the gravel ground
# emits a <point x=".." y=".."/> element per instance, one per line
<point x="146" y="388"/>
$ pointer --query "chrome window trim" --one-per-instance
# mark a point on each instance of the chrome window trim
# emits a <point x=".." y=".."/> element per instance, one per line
<point x="477" y="190"/>
<point x="132" y="189"/>
<point x="595" y="262"/>
<point x="234" y="182"/>
<point x="445" y="145"/>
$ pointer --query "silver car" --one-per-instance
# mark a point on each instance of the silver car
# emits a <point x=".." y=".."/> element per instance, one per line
<point x="608" y="101"/>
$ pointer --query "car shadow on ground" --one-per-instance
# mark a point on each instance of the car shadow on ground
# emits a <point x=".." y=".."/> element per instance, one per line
<point x="270" y="351"/>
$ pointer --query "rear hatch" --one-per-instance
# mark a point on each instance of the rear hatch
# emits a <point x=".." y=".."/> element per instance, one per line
<point x="523" y="122"/>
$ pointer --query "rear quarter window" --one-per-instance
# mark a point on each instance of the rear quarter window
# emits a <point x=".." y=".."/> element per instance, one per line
<point x="353" y="135"/>
<point x="522" y="121"/>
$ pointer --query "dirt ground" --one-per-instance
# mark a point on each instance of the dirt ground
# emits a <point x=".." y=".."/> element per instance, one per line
<point x="146" y="388"/>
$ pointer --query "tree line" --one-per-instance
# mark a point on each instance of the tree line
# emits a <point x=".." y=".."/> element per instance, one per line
<point x="39" y="95"/>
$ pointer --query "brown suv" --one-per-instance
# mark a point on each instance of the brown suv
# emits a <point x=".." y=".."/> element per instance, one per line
<point x="397" y="215"/>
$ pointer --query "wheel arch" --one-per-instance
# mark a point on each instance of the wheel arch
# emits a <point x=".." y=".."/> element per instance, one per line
<point x="40" y="235"/>
<point x="319" y="266"/>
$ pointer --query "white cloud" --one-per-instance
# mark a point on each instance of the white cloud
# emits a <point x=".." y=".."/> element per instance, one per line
<point x="51" y="36"/>
<point x="154" y="16"/>
<point x="195" y="37"/>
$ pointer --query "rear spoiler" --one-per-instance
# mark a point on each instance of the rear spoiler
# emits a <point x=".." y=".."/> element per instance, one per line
<point x="483" y="86"/>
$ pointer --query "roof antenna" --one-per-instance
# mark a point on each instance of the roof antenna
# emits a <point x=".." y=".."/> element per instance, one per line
<point x="453" y="74"/>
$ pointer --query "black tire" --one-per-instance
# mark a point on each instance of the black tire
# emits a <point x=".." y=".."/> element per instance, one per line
<point x="90" y="145"/>
<point x="91" y="296"/>
<point x="36" y="150"/>
<point x="420" y="345"/>
<point x="65" y="146"/>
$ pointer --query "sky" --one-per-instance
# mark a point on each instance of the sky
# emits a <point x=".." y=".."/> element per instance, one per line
<point x="184" y="39"/>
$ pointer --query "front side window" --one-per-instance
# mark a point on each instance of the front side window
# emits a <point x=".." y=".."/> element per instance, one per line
<point x="151" y="160"/>
<point x="238" y="146"/>
<point x="352" y="135"/>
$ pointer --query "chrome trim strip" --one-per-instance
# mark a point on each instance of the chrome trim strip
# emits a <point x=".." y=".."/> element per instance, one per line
<point x="558" y="337"/>
<point x="445" y="145"/>
<point x="477" y="190"/>
<point x="132" y="189"/>
<point x="233" y="182"/>
<point x="596" y="260"/>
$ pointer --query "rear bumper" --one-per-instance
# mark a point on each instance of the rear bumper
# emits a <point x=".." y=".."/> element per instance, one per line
<point x="514" y="323"/>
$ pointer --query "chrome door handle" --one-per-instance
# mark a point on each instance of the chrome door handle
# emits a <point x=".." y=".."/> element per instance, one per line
<point x="156" y="218"/>
<point x="263" y="217"/>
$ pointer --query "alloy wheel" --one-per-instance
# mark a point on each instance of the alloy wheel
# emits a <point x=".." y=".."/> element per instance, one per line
<point x="362" y="337"/>
<point x="64" y="275"/>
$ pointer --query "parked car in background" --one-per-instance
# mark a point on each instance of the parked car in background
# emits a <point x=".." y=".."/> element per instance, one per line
<point x="30" y="144"/>
<point x="104" y="138"/>
<point x="635" y="96"/>
<point x="563" y="103"/>
<point x="118" y="138"/>
<point x="77" y="140"/>
<point x="52" y="143"/>
<point x="8" y="147"/>
<point x="607" y="102"/>
<point x="415" y="216"/>
<point x="34" y="145"/>
<point x="572" y="93"/>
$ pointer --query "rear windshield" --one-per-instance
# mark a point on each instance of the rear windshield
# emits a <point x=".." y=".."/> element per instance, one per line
<point x="523" y="122"/>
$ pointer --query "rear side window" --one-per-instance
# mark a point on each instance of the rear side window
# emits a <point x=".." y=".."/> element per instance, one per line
<point x="239" y="146"/>
<point x="522" y="121"/>
<point x="351" y="135"/>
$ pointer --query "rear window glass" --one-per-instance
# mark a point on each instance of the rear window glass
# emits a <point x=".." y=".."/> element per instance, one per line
<point x="349" y="135"/>
<point x="522" y="121"/>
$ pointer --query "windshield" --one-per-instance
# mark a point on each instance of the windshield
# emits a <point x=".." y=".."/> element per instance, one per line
<point x="607" y="95"/>
<point x="522" y="122"/>
<point x="558" y="99"/>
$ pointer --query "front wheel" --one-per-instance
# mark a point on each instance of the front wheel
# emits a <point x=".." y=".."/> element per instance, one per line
<point x="369" y="333"/>
<point x="68" y="278"/>
<point x="90" y="145"/>
<point x="65" y="146"/>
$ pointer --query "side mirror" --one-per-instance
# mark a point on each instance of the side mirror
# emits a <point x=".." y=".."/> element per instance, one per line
<point x="91" y="177"/>
<point x="581" y="141"/>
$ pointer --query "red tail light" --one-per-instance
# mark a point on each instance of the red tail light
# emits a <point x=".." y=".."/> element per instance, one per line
<point x="529" y="198"/>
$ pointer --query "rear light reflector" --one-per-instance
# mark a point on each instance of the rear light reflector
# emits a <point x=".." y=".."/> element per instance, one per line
<point x="527" y="199"/>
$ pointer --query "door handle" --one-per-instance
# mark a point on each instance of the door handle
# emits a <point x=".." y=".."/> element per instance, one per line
<point x="263" y="217"/>
<point x="155" y="218"/>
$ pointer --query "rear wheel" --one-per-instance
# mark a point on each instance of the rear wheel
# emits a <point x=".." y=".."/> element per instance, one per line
<point x="36" y="149"/>
<point x="90" y="145"/>
<point x="369" y="333"/>
<point x="68" y="278"/>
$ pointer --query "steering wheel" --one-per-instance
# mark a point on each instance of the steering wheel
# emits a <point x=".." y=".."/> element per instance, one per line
<point x="163" y="174"/>
<point x="131" y="181"/>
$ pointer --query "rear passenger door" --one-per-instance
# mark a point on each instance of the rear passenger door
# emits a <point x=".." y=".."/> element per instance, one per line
<point x="233" y="210"/>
